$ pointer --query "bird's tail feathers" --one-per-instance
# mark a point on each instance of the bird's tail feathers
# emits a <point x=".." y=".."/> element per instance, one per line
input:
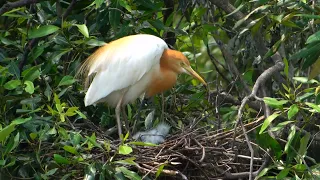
<point x="83" y="72"/>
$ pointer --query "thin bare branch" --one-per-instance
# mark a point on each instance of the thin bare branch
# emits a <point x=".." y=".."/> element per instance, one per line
<point x="11" y="5"/>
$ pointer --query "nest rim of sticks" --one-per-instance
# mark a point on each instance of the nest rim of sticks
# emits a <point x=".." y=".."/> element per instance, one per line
<point x="199" y="153"/>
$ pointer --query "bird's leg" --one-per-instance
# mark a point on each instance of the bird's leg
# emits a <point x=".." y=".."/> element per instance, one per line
<point x="144" y="101"/>
<point x="125" y="117"/>
<point x="118" y="108"/>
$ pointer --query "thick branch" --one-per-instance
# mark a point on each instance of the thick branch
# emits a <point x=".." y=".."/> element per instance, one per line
<point x="11" y="5"/>
<point x="233" y="68"/>
<point x="69" y="9"/>
<point x="169" y="37"/>
<point x="266" y="75"/>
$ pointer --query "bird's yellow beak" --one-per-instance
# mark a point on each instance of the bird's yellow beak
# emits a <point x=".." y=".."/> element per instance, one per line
<point x="194" y="74"/>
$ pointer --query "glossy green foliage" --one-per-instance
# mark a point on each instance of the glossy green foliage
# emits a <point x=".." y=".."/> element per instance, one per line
<point x="47" y="133"/>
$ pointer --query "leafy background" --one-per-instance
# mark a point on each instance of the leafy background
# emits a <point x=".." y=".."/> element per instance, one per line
<point x="46" y="132"/>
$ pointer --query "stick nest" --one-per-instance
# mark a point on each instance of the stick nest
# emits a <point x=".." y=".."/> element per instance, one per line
<point x="200" y="154"/>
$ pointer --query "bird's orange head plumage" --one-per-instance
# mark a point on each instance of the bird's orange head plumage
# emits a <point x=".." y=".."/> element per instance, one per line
<point x="174" y="60"/>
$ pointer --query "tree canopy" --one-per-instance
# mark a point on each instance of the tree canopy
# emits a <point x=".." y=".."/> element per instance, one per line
<point x="258" y="117"/>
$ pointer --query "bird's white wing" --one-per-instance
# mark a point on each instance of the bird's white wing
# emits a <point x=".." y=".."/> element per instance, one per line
<point x="122" y="63"/>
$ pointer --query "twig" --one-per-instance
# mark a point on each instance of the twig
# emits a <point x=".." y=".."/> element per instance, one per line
<point x="233" y="68"/>
<point x="203" y="150"/>
<point x="250" y="148"/>
<point x="27" y="49"/>
<point x="213" y="60"/>
<point x="165" y="171"/>
<point x="261" y="80"/>
<point x="11" y="5"/>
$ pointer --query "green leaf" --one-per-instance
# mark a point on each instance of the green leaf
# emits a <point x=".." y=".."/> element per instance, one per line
<point x="2" y="162"/>
<point x="62" y="117"/>
<point x="66" y="80"/>
<point x="33" y="136"/>
<point x="159" y="170"/>
<point x="268" y="142"/>
<point x="42" y="31"/>
<point x="95" y="42"/>
<point x="31" y="74"/>
<point x="125" y="4"/>
<point x="262" y="173"/>
<point x="313" y="106"/>
<point x="123" y="149"/>
<point x="138" y="143"/>
<point x="260" y="8"/>
<point x="267" y="122"/>
<point x="286" y="67"/>
<point x="281" y="125"/>
<point x="98" y="3"/>
<point x="130" y="174"/>
<point x="310" y="53"/>
<point x="6" y="41"/>
<point x="290" y="138"/>
<point x="157" y="24"/>
<point x="16" y="141"/>
<point x="14" y="69"/>
<point x="83" y="29"/>
<point x="306" y="51"/>
<point x="293" y="111"/>
<point x="29" y="87"/>
<point x="304" y="80"/>
<point x="90" y="172"/>
<point x="51" y="171"/>
<point x="126" y="136"/>
<point x="275" y="47"/>
<point x="304" y="144"/>
<point x="32" y="100"/>
<point x="300" y="167"/>
<point x="114" y="14"/>
<point x="21" y="120"/>
<point x="60" y="159"/>
<point x="283" y="173"/>
<point x="76" y="139"/>
<point x="93" y="141"/>
<point x="70" y="149"/>
<point x="10" y="85"/>
<point x="129" y="112"/>
<point x="36" y="52"/>
<point x="81" y="115"/>
<point x="315" y="69"/>
<point x="71" y="111"/>
<point x="5" y="132"/>
<point x="311" y="16"/>
<point x="128" y="161"/>
<point x="274" y="102"/>
<point x="314" y="37"/>
<point x="236" y="10"/>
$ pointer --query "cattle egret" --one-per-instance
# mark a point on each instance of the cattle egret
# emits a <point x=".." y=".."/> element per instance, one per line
<point x="155" y="135"/>
<point x="123" y="70"/>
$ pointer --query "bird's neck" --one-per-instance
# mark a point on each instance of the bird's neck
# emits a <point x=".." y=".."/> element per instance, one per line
<point x="166" y="77"/>
<point x="167" y="60"/>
